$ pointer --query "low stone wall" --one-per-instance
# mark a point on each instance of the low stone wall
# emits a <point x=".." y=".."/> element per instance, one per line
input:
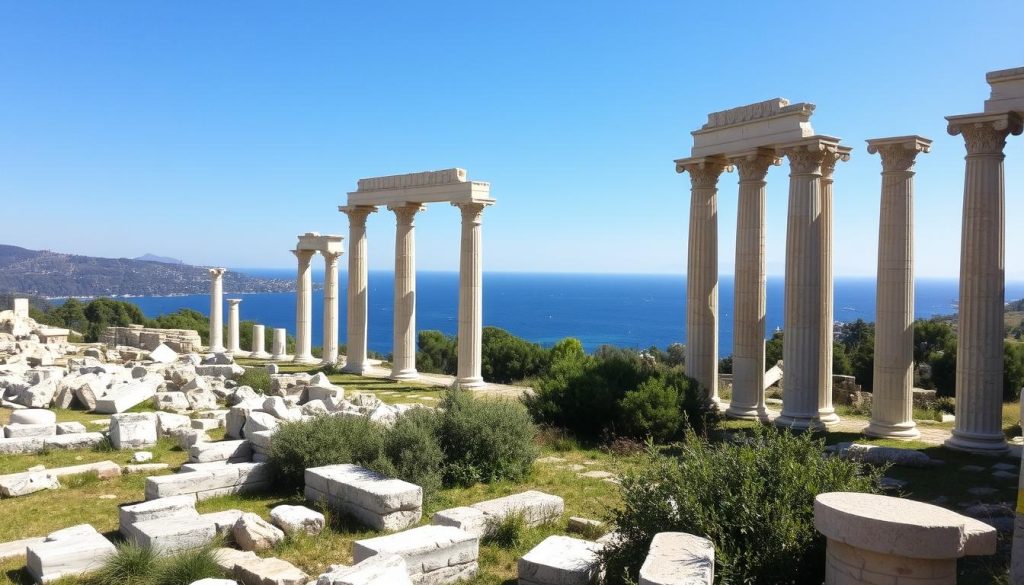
<point x="180" y="340"/>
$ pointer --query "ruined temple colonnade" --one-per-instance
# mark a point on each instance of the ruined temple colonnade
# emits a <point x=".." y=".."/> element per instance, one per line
<point x="329" y="247"/>
<point x="405" y="196"/>
<point x="753" y="138"/>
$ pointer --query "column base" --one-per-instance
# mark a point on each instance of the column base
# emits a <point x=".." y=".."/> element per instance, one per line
<point x="357" y="368"/>
<point x="747" y="412"/>
<point x="827" y="417"/>
<point x="904" y="430"/>
<point x="799" y="422"/>
<point x="262" y="355"/>
<point x="471" y="382"/>
<point x="305" y="359"/>
<point x="216" y="349"/>
<point x="407" y="374"/>
<point x="977" y="442"/>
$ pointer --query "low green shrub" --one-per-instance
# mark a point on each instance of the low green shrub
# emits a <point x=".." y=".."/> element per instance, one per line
<point x="652" y="410"/>
<point x="188" y="566"/>
<point x="505" y="531"/>
<point x="129" y="565"/>
<point x="412" y="451"/>
<point x="485" y="440"/>
<point x="256" y="378"/>
<point x="323" y="440"/>
<point x="753" y="498"/>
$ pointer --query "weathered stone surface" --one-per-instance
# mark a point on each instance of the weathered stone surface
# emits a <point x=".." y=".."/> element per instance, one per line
<point x="19" y="430"/>
<point x="133" y="430"/>
<point x="536" y="507"/>
<point x="464" y="518"/>
<point x="15" y="549"/>
<point x="71" y="428"/>
<point x="374" y="499"/>
<point x="293" y="519"/>
<point x="75" y="441"/>
<point x="22" y="484"/>
<point x="66" y="553"/>
<point x="271" y="571"/>
<point x="22" y="445"/>
<point x="677" y="558"/>
<point x="227" y="371"/>
<point x="256" y="534"/>
<point x="381" y="569"/>
<point x="560" y="560"/>
<point x="161" y="508"/>
<point x="87" y="394"/>
<point x="581" y="525"/>
<point x="234" y="451"/>
<point x="433" y="554"/>
<point x="228" y="559"/>
<point x="169" y="423"/>
<point x="171" y="401"/>
<point x="882" y="455"/>
<point x="168" y="536"/>
<point x="259" y="421"/>
<point x="224" y="521"/>
<point x="40" y="395"/>
<point x="145" y="467"/>
<point x="33" y="416"/>
<point x="162" y="354"/>
<point x="122" y="398"/>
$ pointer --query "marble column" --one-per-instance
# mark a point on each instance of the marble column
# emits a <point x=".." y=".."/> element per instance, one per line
<point x="802" y="330"/>
<point x="304" y="308"/>
<point x="748" y="353"/>
<point x="826" y="412"/>
<point x="233" y="346"/>
<point x="279" y="348"/>
<point x="892" y="401"/>
<point x="979" y="358"/>
<point x="470" y="296"/>
<point x="403" y="363"/>
<point x="259" y="342"/>
<point x="330" y="344"/>
<point x="357" y="302"/>
<point x="216" y="309"/>
<point x="702" y="271"/>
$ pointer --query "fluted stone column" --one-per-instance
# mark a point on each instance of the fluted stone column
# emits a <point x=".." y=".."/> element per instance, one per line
<point x="233" y="346"/>
<point x="802" y="331"/>
<point x="826" y="412"/>
<point x="330" y="344"/>
<point x="216" y="309"/>
<point x="702" y="271"/>
<point x="304" y="308"/>
<point x="404" y="353"/>
<point x="979" y="365"/>
<point x="357" y="302"/>
<point x="892" y="401"/>
<point x="259" y="342"/>
<point x="279" y="348"/>
<point x="471" y="305"/>
<point x="748" y="353"/>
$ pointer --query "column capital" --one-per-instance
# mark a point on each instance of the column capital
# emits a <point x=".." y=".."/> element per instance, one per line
<point x="234" y="302"/>
<point x="216" y="273"/>
<point x="304" y="256"/>
<point x="357" y="214"/>
<point x="331" y="257"/>
<point x="898" y="153"/>
<point x="405" y="213"/>
<point x="704" y="170"/>
<point x="816" y="155"/>
<point x="985" y="134"/>
<point x="472" y="211"/>
<point x="753" y="165"/>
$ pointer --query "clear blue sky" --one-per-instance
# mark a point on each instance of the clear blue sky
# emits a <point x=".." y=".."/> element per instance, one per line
<point x="217" y="131"/>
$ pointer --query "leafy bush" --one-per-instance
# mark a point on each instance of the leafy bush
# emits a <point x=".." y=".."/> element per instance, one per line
<point x="507" y="358"/>
<point x="652" y="410"/>
<point x="485" y="439"/>
<point x="412" y="451"/>
<point x="438" y="353"/>
<point x="323" y="440"/>
<point x="257" y="378"/>
<point x="754" y="499"/>
<point x="505" y="531"/>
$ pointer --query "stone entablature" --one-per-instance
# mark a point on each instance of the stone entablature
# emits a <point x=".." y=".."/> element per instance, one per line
<point x="180" y="340"/>
<point x="449" y="185"/>
<point x="760" y="125"/>
<point x="1007" y="91"/>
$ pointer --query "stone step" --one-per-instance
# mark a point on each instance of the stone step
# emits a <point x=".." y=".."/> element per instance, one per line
<point x="379" y="502"/>
<point x="433" y="554"/>
<point x="224" y="480"/>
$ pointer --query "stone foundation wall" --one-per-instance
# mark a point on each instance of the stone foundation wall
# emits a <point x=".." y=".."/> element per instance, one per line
<point x="180" y="340"/>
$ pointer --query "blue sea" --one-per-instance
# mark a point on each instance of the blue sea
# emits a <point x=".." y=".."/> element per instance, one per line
<point x="635" y="311"/>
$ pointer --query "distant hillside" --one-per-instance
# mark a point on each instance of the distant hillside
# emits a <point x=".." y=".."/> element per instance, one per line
<point x="155" y="258"/>
<point x="50" y="274"/>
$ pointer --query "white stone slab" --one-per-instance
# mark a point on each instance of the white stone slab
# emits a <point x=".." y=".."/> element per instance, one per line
<point x="464" y="518"/>
<point x="373" y="499"/>
<point x="33" y="416"/>
<point x="381" y="569"/>
<point x="170" y="535"/>
<point x="536" y="507"/>
<point x="124" y="397"/>
<point x="19" y="430"/>
<point x="433" y="554"/>
<point x="270" y="571"/>
<point x="224" y="521"/>
<point x="75" y="441"/>
<point x="677" y="558"/>
<point x="234" y="451"/>
<point x="560" y="560"/>
<point x="67" y="553"/>
<point x="295" y="519"/>
<point x="15" y="549"/>
<point x="133" y="430"/>
<point x="171" y="507"/>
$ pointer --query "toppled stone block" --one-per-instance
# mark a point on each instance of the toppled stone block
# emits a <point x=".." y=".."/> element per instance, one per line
<point x="68" y="553"/>
<point x="560" y="560"/>
<point x="74" y="441"/>
<point x="171" y="401"/>
<point x="19" y="430"/>
<point x="23" y="484"/>
<point x="380" y="569"/>
<point x="295" y="519"/>
<point x="125" y="397"/>
<point x="205" y="424"/>
<point x="40" y="395"/>
<point x="379" y="502"/>
<point x="256" y="534"/>
<point x="133" y="430"/>
<point x="536" y="507"/>
<point x="15" y="549"/>
<point x="21" y="445"/>
<point x="71" y="428"/>
<point x="161" y="508"/>
<point x="226" y="371"/>
<point x="33" y="416"/>
<point x="179" y="534"/>
<point x="168" y="423"/>
<point x="224" y="521"/>
<point x="433" y="554"/>
<point x="211" y="482"/>
<point x="163" y="355"/>
<point x="233" y="451"/>
<point x="677" y="558"/>
<point x="464" y="518"/>
<point x="229" y="559"/>
<point x="271" y="571"/>
<point x="882" y="455"/>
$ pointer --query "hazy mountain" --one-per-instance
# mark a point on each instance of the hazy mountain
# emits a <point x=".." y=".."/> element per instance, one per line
<point x="155" y="258"/>
<point x="51" y="274"/>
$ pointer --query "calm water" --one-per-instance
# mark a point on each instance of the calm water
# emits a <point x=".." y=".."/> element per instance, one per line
<point x="634" y="311"/>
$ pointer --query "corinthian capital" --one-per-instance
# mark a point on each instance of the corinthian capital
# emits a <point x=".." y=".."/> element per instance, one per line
<point x="816" y="155"/>
<point x="704" y="171"/>
<point x="899" y="153"/>
<point x="405" y="213"/>
<point x="753" y="165"/>
<point x="472" y="212"/>
<point x="357" y="214"/>
<point x="985" y="134"/>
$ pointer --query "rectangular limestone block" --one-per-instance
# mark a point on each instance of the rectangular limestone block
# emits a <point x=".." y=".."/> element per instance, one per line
<point x="677" y="558"/>
<point x="464" y="518"/>
<point x="270" y="571"/>
<point x="69" y="554"/>
<point x="124" y="397"/>
<point x="425" y="549"/>
<point x="15" y="549"/>
<point x="220" y="451"/>
<point x="76" y="441"/>
<point x="17" y="431"/>
<point x="193" y="482"/>
<point x="168" y="536"/>
<point x="183" y="506"/>
<point x="560" y="560"/>
<point x="536" y="507"/>
<point x="387" y="522"/>
<point x="133" y="430"/>
<point x="21" y="445"/>
<point x="364" y="488"/>
<point x="224" y="521"/>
